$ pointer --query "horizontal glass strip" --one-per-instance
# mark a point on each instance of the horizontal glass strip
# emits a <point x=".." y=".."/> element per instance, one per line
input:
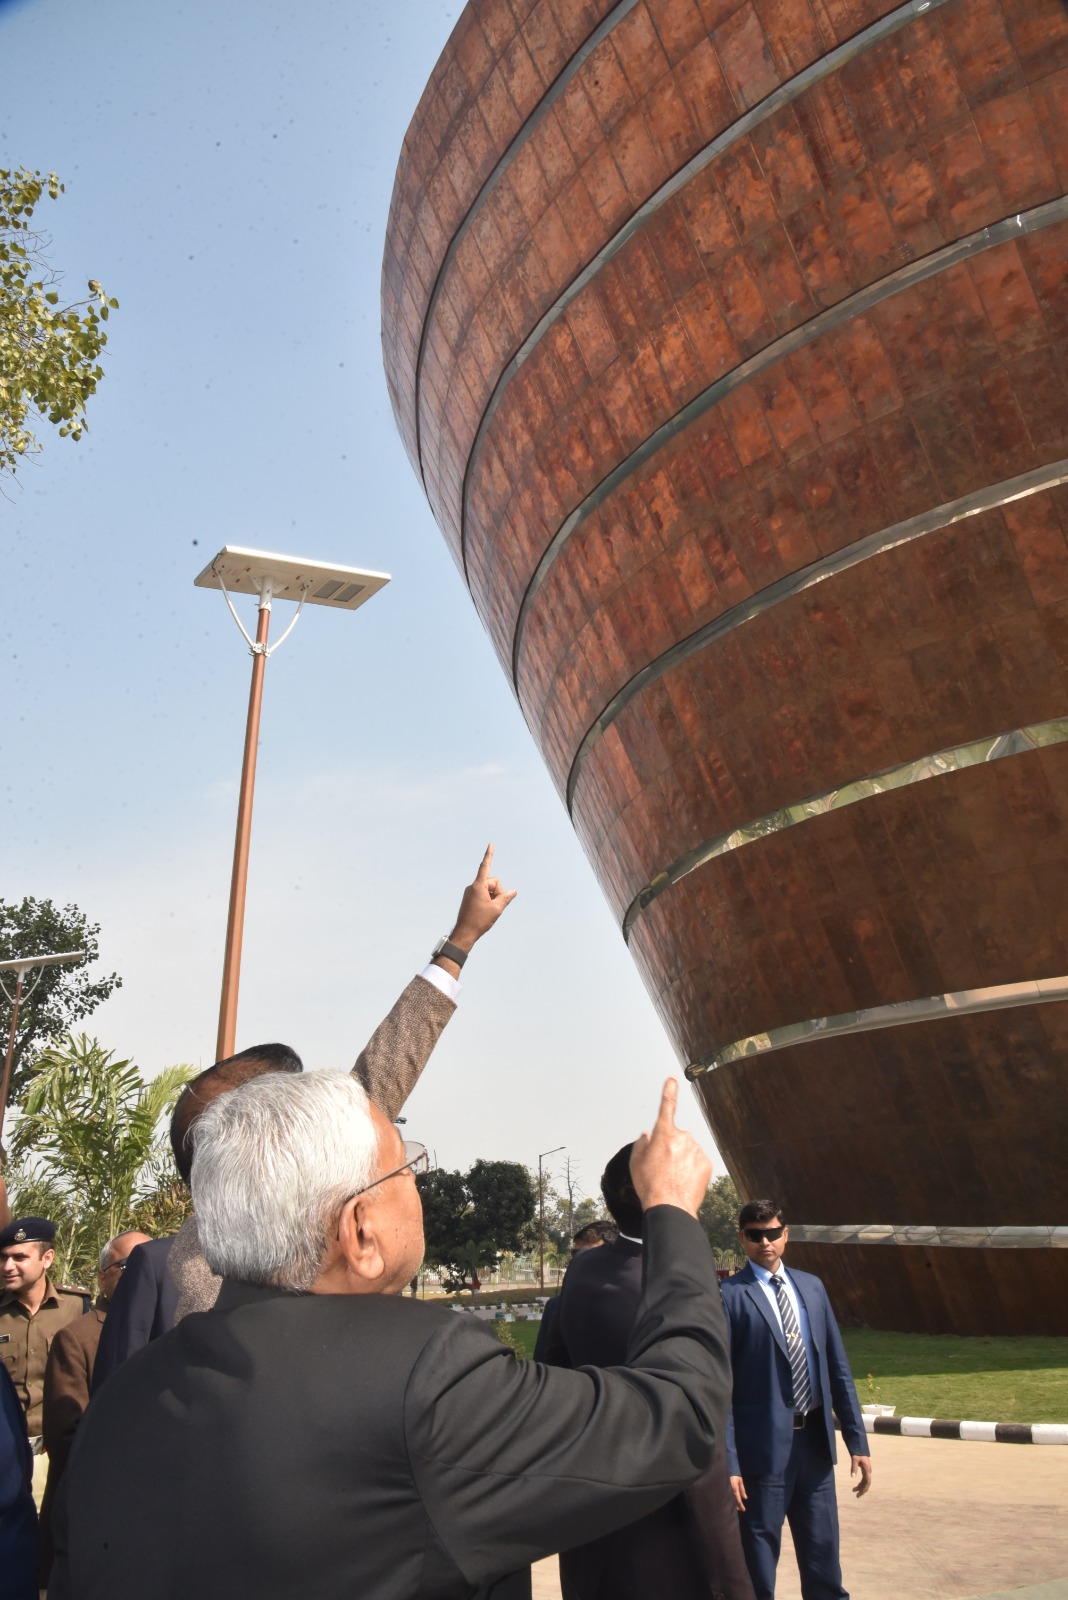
<point x="590" y="44"/>
<point x="974" y="1238"/>
<point x="787" y="92"/>
<point x="992" y="748"/>
<point x="906" y="277"/>
<point x="851" y="555"/>
<point x="932" y="1008"/>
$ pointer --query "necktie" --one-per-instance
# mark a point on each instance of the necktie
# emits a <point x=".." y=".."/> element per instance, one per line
<point x="794" y="1346"/>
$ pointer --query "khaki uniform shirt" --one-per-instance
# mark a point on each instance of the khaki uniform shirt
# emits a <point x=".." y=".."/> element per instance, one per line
<point x="25" y="1342"/>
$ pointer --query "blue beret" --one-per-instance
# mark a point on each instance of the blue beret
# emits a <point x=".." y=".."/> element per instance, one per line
<point x="28" y="1230"/>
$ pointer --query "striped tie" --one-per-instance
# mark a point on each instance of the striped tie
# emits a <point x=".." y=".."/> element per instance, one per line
<point x="794" y="1345"/>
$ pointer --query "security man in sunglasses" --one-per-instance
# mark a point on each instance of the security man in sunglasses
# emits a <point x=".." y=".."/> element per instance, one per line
<point x="790" y="1370"/>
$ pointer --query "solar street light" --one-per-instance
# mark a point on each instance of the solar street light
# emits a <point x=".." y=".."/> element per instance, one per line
<point x="20" y="965"/>
<point x="269" y="577"/>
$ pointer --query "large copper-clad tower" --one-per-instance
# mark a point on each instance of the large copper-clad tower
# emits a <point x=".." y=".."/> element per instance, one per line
<point x="730" y="341"/>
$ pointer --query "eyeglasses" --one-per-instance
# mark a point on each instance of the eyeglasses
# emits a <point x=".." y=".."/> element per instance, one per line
<point x="758" y="1235"/>
<point x="416" y="1161"/>
<point x="116" y="1266"/>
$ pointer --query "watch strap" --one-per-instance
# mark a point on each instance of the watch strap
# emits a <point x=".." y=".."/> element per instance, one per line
<point x="445" y="947"/>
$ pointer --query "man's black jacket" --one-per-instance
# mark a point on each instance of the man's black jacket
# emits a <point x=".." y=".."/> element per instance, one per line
<point x="374" y="1446"/>
<point x="689" y="1548"/>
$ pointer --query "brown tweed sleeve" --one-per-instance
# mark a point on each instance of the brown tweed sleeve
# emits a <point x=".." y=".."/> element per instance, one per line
<point x="390" y="1063"/>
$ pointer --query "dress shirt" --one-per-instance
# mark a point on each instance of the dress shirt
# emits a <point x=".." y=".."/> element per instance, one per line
<point x="442" y="981"/>
<point x="763" y="1277"/>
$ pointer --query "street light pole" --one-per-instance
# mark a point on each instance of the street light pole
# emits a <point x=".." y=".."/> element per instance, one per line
<point x="541" y="1214"/>
<point x="235" y="922"/>
<point x="277" y="577"/>
<point x="20" y="965"/>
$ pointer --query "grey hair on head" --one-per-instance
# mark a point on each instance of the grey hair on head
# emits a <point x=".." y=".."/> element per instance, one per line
<point x="107" y="1248"/>
<point x="272" y="1164"/>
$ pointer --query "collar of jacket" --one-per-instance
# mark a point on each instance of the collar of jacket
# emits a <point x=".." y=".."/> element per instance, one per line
<point x="624" y="1247"/>
<point x="234" y="1293"/>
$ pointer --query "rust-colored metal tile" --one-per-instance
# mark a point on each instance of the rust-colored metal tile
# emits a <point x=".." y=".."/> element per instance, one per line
<point x="1049" y="100"/>
<point x="678" y="24"/>
<point x="609" y="92"/>
<point x="706" y="90"/>
<point x="1039" y="33"/>
<point x="744" y="54"/>
<point x="986" y="63"/>
<point x="821" y="252"/>
<point x="968" y="179"/>
<point x="793" y="34"/>
<point x="1009" y="129"/>
<point x="639" y="159"/>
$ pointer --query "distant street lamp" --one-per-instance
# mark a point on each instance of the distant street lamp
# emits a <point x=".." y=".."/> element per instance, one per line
<point x="20" y="965"/>
<point x="270" y="577"/>
<point x="541" y="1213"/>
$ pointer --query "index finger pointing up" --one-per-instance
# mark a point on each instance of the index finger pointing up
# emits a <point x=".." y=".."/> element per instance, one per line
<point x="668" y="1101"/>
<point x="487" y="861"/>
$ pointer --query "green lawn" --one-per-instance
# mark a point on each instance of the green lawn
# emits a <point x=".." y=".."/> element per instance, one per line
<point x="937" y="1375"/>
<point x="979" y="1379"/>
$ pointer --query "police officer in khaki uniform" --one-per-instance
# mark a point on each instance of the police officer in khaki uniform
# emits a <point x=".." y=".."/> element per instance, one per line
<point x="32" y="1311"/>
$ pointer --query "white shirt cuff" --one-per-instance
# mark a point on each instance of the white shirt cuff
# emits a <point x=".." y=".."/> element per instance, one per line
<point x="450" y="987"/>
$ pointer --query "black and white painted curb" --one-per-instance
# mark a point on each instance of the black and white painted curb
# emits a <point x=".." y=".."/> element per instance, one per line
<point x="991" y="1432"/>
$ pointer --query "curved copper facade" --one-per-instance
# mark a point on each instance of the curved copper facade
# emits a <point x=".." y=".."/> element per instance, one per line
<point x="730" y="342"/>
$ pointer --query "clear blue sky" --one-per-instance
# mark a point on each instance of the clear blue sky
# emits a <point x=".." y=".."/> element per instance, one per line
<point x="228" y="173"/>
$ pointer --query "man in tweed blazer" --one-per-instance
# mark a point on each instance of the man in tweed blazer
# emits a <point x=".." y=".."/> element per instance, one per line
<point x="389" y="1067"/>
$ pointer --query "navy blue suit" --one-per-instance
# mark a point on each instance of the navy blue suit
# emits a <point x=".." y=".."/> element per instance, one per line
<point x="788" y="1472"/>
<point x="143" y="1308"/>
<point x="18" y="1514"/>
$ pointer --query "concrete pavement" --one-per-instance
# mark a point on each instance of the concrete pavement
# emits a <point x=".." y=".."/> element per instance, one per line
<point x="945" y="1520"/>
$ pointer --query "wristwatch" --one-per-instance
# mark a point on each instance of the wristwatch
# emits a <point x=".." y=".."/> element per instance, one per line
<point x="445" y="947"/>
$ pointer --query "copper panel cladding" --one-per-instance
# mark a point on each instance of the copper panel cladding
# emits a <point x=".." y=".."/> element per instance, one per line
<point x="729" y="341"/>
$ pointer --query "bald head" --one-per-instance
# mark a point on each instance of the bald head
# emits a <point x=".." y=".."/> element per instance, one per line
<point x="199" y="1094"/>
<point x="113" y="1258"/>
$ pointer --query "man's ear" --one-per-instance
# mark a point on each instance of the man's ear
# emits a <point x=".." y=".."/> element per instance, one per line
<point x="48" y="1256"/>
<point x="359" y="1241"/>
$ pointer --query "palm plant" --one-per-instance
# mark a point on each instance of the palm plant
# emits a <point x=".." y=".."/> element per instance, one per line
<point x="91" y="1139"/>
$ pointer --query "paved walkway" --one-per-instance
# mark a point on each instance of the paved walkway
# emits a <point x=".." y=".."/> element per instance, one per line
<point x="944" y="1521"/>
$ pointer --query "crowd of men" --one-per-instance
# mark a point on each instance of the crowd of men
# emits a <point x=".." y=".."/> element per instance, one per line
<point x="282" y="1421"/>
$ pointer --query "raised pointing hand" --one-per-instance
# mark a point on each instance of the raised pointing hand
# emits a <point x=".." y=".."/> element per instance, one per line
<point x="668" y="1167"/>
<point x="483" y="902"/>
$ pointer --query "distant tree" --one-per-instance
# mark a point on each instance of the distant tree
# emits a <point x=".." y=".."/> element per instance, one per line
<point x="564" y="1217"/>
<point x="446" y="1205"/>
<point x="587" y="1211"/>
<point x="89" y="1146"/>
<point x="61" y="996"/>
<point x="718" y="1216"/>
<point x="48" y="352"/>
<point x="471" y="1218"/>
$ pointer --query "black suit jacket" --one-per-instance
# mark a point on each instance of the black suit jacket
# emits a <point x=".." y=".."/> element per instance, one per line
<point x="689" y="1548"/>
<point x="142" y="1308"/>
<point x="332" y="1446"/>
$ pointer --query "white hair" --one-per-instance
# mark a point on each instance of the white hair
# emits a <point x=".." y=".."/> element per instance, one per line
<point x="273" y="1163"/>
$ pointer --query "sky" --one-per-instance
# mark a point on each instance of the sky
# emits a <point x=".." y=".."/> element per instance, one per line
<point x="228" y="172"/>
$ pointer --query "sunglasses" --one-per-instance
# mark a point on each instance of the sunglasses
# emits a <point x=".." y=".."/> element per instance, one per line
<point x="416" y="1161"/>
<point x="758" y="1235"/>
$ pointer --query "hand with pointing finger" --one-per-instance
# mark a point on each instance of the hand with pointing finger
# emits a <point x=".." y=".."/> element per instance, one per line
<point x="668" y="1167"/>
<point x="483" y="903"/>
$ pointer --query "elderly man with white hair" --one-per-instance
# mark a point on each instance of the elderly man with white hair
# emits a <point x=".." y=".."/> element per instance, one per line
<point x="318" y="1435"/>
